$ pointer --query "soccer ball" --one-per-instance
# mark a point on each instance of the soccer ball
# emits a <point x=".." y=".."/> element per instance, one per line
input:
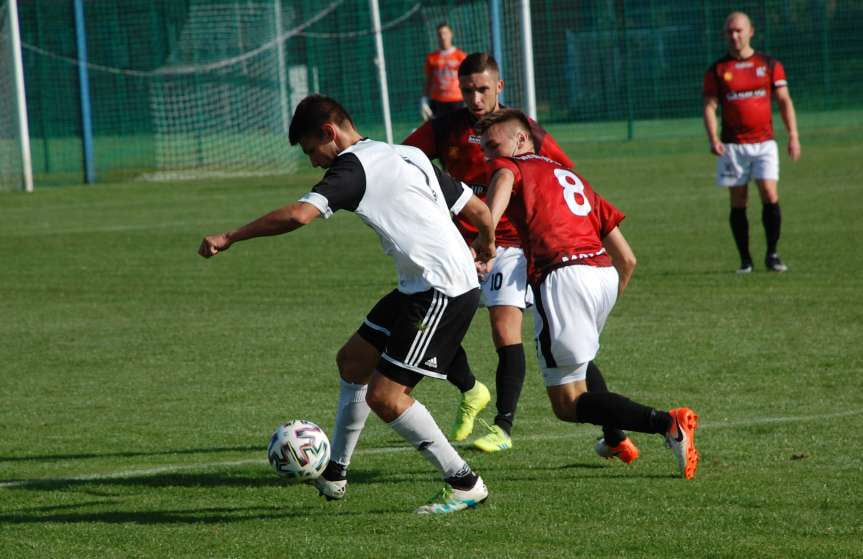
<point x="299" y="450"/>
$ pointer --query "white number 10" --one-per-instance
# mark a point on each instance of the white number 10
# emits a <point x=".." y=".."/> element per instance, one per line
<point x="572" y="185"/>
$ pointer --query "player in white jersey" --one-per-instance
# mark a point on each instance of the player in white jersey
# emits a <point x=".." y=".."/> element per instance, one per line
<point x="407" y="202"/>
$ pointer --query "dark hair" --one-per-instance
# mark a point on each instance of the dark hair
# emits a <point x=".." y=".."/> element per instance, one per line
<point x="477" y="63"/>
<point x="312" y="113"/>
<point x="443" y="24"/>
<point x="507" y="115"/>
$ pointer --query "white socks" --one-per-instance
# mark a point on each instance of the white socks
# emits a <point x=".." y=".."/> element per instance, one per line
<point x="350" y="419"/>
<point x="418" y="427"/>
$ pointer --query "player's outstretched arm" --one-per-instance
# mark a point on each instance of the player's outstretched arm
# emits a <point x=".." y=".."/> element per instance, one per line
<point x="479" y="215"/>
<point x="622" y="257"/>
<point x="789" y="117"/>
<point x="277" y="222"/>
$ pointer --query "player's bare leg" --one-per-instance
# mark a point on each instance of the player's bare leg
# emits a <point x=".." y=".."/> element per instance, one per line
<point x="738" y="196"/>
<point x="572" y="402"/>
<point x="771" y="218"/>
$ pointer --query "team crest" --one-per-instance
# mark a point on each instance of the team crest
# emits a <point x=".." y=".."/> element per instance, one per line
<point x="453" y="152"/>
<point x="727" y="76"/>
<point x="761" y="71"/>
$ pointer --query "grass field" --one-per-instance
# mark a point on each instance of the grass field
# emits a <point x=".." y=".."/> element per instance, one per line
<point x="140" y="383"/>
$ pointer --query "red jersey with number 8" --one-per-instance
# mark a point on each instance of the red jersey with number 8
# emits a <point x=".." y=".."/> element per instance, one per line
<point x="560" y="219"/>
<point x="452" y="140"/>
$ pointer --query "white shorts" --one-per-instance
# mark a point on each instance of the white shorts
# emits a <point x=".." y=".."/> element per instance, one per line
<point x="506" y="283"/>
<point x="743" y="162"/>
<point x="571" y="307"/>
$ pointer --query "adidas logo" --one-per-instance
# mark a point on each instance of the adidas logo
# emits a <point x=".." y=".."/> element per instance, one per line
<point x="431" y="363"/>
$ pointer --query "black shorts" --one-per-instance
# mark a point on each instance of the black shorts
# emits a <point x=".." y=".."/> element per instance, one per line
<point x="418" y="334"/>
<point x="378" y="324"/>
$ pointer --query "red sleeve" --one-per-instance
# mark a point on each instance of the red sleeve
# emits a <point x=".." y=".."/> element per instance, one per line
<point x="505" y="163"/>
<point x="423" y="138"/>
<point x="609" y="216"/>
<point x="711" y="88"/>
<point x="779" y="79"/>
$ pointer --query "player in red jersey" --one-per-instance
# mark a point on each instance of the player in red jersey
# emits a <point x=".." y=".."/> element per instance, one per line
<point x="453" y="141"/>
<point x="743" y="84"/>
<point x="441" y="93"/>
<point x="578" y="264"/>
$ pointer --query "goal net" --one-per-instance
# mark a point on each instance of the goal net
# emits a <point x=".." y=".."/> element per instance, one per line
<point x="206" y="88"/>
<point x="221" y="105"/>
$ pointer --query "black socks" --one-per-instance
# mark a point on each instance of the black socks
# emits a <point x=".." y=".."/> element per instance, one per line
<point x="334" y="472"/>
<point x="596" y="383"/>
<point x="614" y="410"/>
<point x="509" y="380"/>
<point x="771" y="217"/>
<point x="464" y="480"/>
<point x="740" y="230"/>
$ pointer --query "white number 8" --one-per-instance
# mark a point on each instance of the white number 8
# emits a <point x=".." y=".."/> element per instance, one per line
<point x="572" y="185"/>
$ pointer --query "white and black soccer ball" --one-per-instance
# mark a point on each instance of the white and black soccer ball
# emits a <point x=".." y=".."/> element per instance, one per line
<point x="299" y="450"/>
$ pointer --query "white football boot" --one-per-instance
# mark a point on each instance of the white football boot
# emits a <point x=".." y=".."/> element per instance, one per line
<point x="453" y="500"/>
<point x="332" y="490"/>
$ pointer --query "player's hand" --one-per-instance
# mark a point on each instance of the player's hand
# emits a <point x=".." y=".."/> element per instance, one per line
<point x="717" y="148"/>
<point x="483" y="254"/>
<point x="794" y="148"/>
<point x="425" y="108"/>
<point x="482" y="268"/>
<point x="214" y="244"/>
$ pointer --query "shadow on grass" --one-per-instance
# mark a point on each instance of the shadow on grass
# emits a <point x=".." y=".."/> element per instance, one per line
<point x="88" y="455"/>
<point x="211" y="515"/>
<point x="188" y="480"/>
<point x="300" y="501"/>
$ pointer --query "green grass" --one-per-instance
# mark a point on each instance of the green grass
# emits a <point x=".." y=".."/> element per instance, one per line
<point x="140" y="383"/>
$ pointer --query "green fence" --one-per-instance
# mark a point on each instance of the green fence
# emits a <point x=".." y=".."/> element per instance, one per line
<point x="189" y="85"/>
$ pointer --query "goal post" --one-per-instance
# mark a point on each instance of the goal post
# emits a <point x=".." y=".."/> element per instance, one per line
<point x="16" y="171"/>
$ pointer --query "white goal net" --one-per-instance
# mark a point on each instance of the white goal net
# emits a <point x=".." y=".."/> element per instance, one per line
<point x="222" y="105"/>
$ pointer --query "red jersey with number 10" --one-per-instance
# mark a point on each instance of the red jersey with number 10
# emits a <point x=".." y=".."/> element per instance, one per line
<point x="559" y="217"/>
<point x="452" y="140"/>
<point x="744" y="89"/>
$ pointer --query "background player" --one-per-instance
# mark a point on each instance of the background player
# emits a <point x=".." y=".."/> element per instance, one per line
<point x="742" y="83"/>
<point x="400" y="194"/>
<point x="454" y="141"/>
<point x="441" y="93"/>
<point x="578" y="264"/>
